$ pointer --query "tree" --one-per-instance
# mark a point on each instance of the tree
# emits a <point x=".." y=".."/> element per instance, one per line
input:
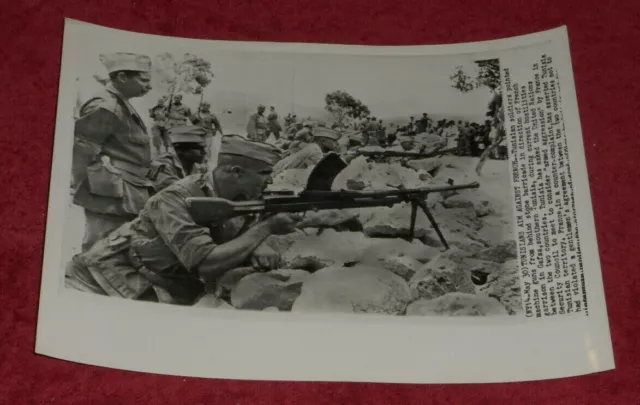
<point x="191" y="74"/>
<point x="487" y="75"/>
<point x="343" y="106"/>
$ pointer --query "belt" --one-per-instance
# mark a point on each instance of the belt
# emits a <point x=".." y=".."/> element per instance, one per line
<point x="132" y="168"/>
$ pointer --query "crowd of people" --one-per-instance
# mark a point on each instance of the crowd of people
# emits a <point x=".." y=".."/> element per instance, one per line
<point x="140" y="241"/>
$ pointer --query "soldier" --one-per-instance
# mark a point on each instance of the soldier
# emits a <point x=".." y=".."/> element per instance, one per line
<point x="496" y="111"/>
<point x="411" y="127"/>
<point x="177" y="113"/>
<point x="189" y="146"/>
<point x="274" y="124"/>
<point x="257" y="127"/>
<point x="372" y="132"/>
<point x="208" y="121"/>
<point x="111" y="152"/>
<point x="324" y="140"/>
<point x="159" y="129"/>
<point x="164" y="256"/>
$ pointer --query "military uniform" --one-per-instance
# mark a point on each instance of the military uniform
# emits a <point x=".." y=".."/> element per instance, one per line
<point x="158" y="253"/>
<point x="177" y="115"/>
<point x="257" y="128"/>
<point x="111" y="160"/>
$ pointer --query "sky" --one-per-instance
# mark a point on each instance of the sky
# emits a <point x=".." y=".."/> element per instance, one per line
<point x="391" y="86"/>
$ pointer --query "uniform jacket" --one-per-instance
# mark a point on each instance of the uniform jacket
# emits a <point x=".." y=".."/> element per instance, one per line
<point x="111" y="156"/>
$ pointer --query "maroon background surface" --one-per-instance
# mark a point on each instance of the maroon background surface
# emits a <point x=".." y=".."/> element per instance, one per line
<point x="605" y="38"/>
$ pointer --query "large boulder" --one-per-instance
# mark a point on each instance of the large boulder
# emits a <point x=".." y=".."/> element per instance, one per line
<point x="507" y="250"/>
<point x="370" y="176"/>
<point x="430" y="165"/>
<point x="227" y="282"/>
<point x="404" y="266"/>
<point x="384" y="248"/>
<point x="444" y="274"/>
<point x="277" y="288"/>
<point x="457" y="304"/>
<point x="358" y="289"/>
<point x="313" y="252"/>
<point x="504" y="285"/>
<point x="394" y="222"/>
<point x="291" y="179"/>
<point x="430" y="143"/>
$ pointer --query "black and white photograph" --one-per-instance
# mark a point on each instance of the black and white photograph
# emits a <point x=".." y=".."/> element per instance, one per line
<point x="320" y="210"/>
<point x="285" y="182"/>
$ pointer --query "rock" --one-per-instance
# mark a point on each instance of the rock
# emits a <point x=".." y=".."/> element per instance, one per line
<point x="504" y="285"/>
<point x="228" y="281"/>
<point x="271" y="309"/>
<point x="457" y="202"/>
<point x="355" y="184"/>
<point x="313" y="252"/>
<point x="394" y="222"/>
<point x="212" y="301"/>
<point x="424" y="175"/>
<point x="277" y="288"/>
<point x="291" y="179"/>
<point x="501" y="253"/>
<point x="483" y="209"/>
<point x="282" y="243"/>
<point x="444" y="274"/>
<point x="371" y="176"/>
<point x="430" y="165"/>
<point x="327" y="218"/>
<point x="403" y="266"/>
<point x="384" y="248"/>
<point x="430" y="143"/>
<point x="358" y="289"/>
<point x="457" y="304"/>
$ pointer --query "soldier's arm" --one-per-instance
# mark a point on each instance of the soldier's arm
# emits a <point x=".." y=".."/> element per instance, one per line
<point x="162" y="175"/>
<point x="192" y="244"/>
<point x="96" y="124"/>
<point x="216" y="123"/>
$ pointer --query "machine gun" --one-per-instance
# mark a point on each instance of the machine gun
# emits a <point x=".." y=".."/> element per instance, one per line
<point x="394" y="153"/>
<point x="318" y="196"/>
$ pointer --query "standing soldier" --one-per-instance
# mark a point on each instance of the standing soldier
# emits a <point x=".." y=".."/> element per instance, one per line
<point x="189" y="146"/>
<point x="274" y="124"/>
<point x="159" y="129"/>
<point x="208" y="120"/>
<point x="257" y="126"/>
<point x="111" y="152"/>
<point x="177" y="113"/>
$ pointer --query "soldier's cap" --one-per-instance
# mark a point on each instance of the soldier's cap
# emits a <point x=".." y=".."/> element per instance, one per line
<point x="236" y="145"/>
<point x="118" y="61"/>
<point x="323" y="132"/>
<point x="187" y="134"/>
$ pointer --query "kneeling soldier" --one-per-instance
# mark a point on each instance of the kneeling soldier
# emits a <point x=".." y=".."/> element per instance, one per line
<point x="165" y="256"/>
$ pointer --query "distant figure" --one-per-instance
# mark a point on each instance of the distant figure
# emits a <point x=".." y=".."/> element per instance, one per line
<point x="258" y="127"/>
<point x="208" y="120"/>
<point x="411" y="127"/>
<point x="177" y="113"/>
<point x="274" y="124"/>
<point x="159" y="136"/>
<point x="496" y="111"/>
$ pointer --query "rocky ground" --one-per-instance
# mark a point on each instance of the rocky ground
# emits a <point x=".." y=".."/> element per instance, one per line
<point x="359" y="261"/>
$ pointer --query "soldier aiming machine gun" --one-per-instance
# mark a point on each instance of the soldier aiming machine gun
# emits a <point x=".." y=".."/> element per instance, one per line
<point x="318" y="196"/>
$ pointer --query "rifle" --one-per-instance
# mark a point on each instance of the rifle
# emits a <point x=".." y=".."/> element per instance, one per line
<point x="318" y="196"/>
<point x="394" y="153"/>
